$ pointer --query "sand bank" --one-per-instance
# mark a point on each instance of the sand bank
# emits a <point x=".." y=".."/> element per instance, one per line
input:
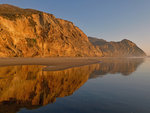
<point x="51" y="64"/>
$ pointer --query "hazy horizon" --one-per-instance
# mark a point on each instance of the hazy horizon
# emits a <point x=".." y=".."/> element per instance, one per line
<point x="111" y="20"/>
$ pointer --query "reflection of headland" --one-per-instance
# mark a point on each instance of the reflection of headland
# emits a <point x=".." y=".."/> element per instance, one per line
<point x="124" y="66"/>
<point x="30" y="87"/>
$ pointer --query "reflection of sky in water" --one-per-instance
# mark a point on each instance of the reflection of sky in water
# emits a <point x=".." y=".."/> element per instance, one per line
<point x="112" y="93"/>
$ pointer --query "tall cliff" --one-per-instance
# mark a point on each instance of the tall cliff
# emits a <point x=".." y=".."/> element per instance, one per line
<point x="124" y="48"/>
<point x="30" y="33"/>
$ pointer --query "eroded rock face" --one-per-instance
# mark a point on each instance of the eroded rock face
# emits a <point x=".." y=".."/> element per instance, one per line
<point x="124" y="48"/>
<point x="30" y="33"/>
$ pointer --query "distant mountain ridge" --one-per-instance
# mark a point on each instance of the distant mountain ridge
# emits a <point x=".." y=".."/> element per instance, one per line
<point x="124" y="48"/>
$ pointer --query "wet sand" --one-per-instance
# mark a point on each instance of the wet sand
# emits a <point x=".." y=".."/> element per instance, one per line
<point x="51" y="64"/>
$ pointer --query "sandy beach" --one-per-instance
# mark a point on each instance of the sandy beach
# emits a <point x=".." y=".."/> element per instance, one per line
<point x="51" y="64"/>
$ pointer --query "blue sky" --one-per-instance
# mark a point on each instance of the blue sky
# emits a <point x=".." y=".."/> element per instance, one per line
<point x="112" y="20"/>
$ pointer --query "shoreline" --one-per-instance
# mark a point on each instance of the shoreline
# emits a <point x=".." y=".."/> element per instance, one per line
<point x="57" y="63"/>
<point x="52" y="64"/>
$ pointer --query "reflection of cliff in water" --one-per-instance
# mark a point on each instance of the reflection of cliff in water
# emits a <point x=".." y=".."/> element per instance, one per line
<point x="30" y="87"/>
<point x="124" y="66"/>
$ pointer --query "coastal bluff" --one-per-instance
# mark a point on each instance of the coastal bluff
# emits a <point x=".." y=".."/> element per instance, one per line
<point x="32" y="33"/>
<point x="124" y="48"/>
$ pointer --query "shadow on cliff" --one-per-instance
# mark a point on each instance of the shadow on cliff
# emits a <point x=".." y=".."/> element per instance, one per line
<point x="27" y="86"/>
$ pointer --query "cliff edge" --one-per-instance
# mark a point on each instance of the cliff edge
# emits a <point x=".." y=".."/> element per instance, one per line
<point x="32" y="33"/>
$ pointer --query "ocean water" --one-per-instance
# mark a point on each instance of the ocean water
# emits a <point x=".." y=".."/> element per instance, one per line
<point x="115" y="85"/>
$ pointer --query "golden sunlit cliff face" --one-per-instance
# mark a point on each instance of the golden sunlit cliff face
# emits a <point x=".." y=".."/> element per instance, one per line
<point x="31" y="33"/>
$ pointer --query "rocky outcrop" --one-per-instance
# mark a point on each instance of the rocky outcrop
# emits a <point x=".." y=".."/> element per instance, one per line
<point x="31" y="33"/>
<point x="124" y="48"/>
